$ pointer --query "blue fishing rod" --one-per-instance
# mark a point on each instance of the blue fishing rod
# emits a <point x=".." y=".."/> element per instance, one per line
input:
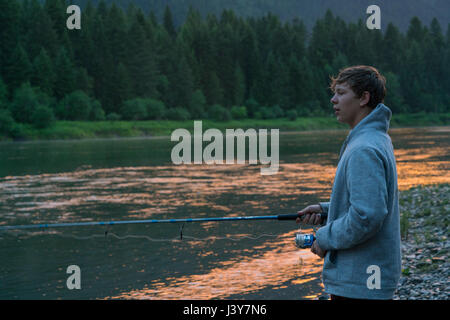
<point x="301" y="240"/>
<point x="110" y="223"/>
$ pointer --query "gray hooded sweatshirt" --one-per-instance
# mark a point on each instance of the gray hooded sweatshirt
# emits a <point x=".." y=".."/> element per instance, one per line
<point x="362" y="234"/>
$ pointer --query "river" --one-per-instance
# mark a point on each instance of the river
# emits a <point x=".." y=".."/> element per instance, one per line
<point x="134" y="178"/>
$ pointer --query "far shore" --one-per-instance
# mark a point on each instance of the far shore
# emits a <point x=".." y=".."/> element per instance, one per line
<point x="70" y="130"/>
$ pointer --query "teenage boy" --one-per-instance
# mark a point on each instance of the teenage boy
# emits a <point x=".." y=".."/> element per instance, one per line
<point x="360" y="242"/>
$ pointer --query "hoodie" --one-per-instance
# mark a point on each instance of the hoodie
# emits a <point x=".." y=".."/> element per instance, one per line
<point x="362" y="233"/>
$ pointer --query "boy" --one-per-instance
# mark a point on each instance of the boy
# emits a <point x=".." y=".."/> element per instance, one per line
<point x="360" y="242"/>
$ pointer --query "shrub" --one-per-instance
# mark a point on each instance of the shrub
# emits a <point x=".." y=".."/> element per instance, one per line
<point x="6" y="122"/>
<point x="266" y="113"/>
<point x="156" y="109"/>
<point x="291" y="115"/>
<point x="134" y="109"/>
<point x="252" y="107"/>
<point x="75" y="106"/>
<point x="239" y="112"/>
<point x="113" y="116"/>
<point x="24" y="103"/>
<point x="219" y="113"/>
<point x="97" y="113"/>
<point x="277" y="112"/>
<point x="42" y="117"/>
<point x="197" y="104"/>
<point x="178" y="113"/>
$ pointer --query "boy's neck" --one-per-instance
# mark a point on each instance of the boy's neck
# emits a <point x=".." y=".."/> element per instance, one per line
<point x="365" y="111"/>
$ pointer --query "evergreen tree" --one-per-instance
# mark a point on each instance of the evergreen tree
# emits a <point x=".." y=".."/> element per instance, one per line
<point x="141" y="62"/>
<point x="43" y="75"/>
<point x="9" y="31"/>
<point x="18" y="69"/>
<point x="238" y="86"/>
<point x="416" y="31"/>
<point x="121" y="88"/>
<point x="56" y="9"/>
<point x="116" y="34"/>
<point x="65" y="74"/>
<point x="168" y="22"/>
<point x="41" y="32"/>
<point x="3" y="93"/>
<point x="392" y="50"/>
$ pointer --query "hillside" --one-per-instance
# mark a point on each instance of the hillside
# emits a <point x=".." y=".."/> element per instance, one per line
<point x="399" y="12"/>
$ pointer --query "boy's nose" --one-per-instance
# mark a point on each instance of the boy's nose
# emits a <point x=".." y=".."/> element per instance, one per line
<point x="333" y="100"/>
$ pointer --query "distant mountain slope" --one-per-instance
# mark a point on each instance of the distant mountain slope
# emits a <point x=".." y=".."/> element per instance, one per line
<point x="399" y="12"/>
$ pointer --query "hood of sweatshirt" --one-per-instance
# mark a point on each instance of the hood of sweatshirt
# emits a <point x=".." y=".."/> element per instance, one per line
<point x="378" y="119"/>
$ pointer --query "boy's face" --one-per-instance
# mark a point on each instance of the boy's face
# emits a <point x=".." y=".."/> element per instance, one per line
<point x="347" y="105"/>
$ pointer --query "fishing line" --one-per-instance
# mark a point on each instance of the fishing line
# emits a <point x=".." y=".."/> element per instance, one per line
<point x="132" y="236"/>
<point x="150" y="221"/>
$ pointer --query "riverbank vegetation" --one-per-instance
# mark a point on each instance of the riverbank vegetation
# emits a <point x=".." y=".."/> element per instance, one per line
<point x="110" y="129"/>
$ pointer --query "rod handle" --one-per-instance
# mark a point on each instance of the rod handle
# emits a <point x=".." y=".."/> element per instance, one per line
<point x="294" y="216"/>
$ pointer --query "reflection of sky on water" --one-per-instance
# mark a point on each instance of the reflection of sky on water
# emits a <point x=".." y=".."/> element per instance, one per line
<point x="168" y="191"/>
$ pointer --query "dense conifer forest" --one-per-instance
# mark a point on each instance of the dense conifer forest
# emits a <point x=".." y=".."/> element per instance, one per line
<point x="127" y="64"/>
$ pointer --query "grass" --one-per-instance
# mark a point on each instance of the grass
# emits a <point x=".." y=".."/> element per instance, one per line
<point x="106" y="129"/>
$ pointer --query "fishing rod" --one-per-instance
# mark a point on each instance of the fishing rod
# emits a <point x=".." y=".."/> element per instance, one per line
<point x="301" y="240"/>
<point x="109" y="223"/>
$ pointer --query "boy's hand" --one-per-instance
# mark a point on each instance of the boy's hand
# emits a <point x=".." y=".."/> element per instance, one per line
<point x="317" y="250"/>
<point x="310" y="215"/>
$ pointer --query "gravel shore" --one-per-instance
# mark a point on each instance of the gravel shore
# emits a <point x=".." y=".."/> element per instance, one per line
<point x="425" y="243"/>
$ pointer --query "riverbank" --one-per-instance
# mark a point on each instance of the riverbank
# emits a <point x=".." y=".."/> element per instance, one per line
<point x="110" y="129"/>
<point x="425" y="218"/>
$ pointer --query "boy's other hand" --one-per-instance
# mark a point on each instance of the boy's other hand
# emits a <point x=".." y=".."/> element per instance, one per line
<point x="310" y="215"/>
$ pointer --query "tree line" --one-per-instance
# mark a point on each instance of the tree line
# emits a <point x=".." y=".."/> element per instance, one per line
<point x="124" y="64"/>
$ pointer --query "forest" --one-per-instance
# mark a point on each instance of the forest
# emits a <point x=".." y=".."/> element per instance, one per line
<point x="125" y="64"/>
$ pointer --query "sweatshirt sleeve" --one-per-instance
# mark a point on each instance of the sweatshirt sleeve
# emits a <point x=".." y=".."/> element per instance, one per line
<point x="324" y="206"/>
<point x="366" y="184"/>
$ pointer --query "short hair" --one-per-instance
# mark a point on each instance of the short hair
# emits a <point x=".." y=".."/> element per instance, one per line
<point x="363" y="78"/>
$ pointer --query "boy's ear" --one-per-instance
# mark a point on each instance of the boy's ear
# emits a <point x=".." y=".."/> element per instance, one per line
<point x="365" y="98"/>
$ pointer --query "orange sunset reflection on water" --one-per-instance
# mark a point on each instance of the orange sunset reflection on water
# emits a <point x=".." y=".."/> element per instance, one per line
<point x="277" y="268"/>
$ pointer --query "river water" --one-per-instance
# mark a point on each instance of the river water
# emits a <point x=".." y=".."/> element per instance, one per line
<point x="126" y="179"/>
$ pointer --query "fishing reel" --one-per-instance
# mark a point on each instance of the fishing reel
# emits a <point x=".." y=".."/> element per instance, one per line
<point x="303" y="240"/>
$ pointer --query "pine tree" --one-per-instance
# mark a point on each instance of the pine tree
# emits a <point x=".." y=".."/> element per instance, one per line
<point x="56" y="9"/>
<point x="41" y="32"/>
<point x="116" y="33"/>
<point x="3" y="93"/>
<point x="121" y="86"/>
<point x="43" y="75"/>
<point x="412" y="78"/>
<point x="18" y="68"/>
<point x="250" y="58"/>
<point x="141" y="62"/>
<point x="9" y="31"/>
<point x="181" y="80"/>
<point x="168" y="23"/>
<point x="415" y="30"/>
<point x="392" y="50"/>
<point x="238" y="86"/>
<point x="65" y="74"/>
